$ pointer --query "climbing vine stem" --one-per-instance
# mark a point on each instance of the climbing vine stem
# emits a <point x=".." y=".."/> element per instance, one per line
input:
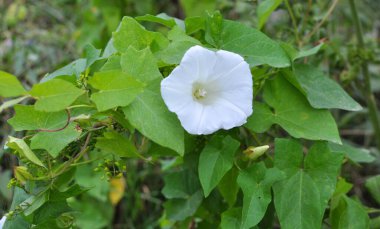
<point x="370" y="99"/>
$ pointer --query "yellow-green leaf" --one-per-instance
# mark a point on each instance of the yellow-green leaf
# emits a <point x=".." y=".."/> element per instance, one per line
<point x="10" y="86"/>
<point x="20" y="146"/>
<point x="116" y="88"/>
<point x="55" y="95"/>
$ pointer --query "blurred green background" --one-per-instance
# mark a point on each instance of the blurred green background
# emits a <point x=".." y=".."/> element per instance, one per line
<point x="39" y="36"/>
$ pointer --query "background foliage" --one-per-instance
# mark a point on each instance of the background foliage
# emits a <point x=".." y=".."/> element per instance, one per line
<point x="160" y="189"/>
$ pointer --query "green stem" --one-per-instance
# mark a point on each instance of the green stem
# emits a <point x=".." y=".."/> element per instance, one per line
<point x="370" y="99"/>
<point x="318" y="26"/>
<point x="294" y="22"/>
<point x="79" y="106"/>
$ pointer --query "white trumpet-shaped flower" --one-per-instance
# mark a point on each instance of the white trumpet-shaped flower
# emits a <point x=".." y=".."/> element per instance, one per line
<point x="2" y="222"/>
<point x="209" y="90"/>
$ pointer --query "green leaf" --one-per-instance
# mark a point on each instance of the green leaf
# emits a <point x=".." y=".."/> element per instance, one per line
<point x="149" y="114"/>
<point x="116" y="88"/>
<point x="264" y="10"/>
<point x="73" y="190"/>
<point x="213" y="27"/>
<point x="19" y="196"/>
<point x="50" y="223"/>
<point x="373" y="186"/>
<point x="109" y="49"/>
<point x="348" y="214"/>
<point x="74" y="68"/>
<point x="297" y="202"/>
<point x="180" y="43"/>
<point x="295" y="54"/>
<point x="320" y="90"/>
<point x="92" y="54"/>
<point x="356" y="155"/>
<point x="12" y="102"/>
<point x="185" y="194"/>
<point x="215" y="160"/>
<point x="91" y="213"/>
<point x="256" y="183"/>
<point x="141" y="65"/>
<point x="293" y="113"/>
<point x="10" y="86"/>
<point x="342" y="187"/>
<point x="65" y="179"/>
<point x="50" y="210"/>
<point x="17" y="221"/>
<point x="308" y="52"/>
<point x="289" y="156"/>
<point x="161" y="18"/>
<point x="55" y="142"/>
<point x="180" y="184"/>
<point x="253" y="45"/>
<point x="117" y="144"/>
<point x="231" y="219"/>
<point x="5" y="177"/>
<point x="34" y="203"/>
<point x="113" y="63"/>
<point x="261" y="119"/>
<point x="309" y="185"/>
<point x="228" y="186"/>
<point x="374" y="222"/>
<point x="197" y="8"/>
<point x="20" y="146"/>
<point x="131" y="33"/>
<point x="323" y="166"/>
<point x="180" y="209"/>
<point x="55" y="95"/>
<point x="95" y="182"/>
<point x="194" y="24"/>
<point x="28" y="118"/>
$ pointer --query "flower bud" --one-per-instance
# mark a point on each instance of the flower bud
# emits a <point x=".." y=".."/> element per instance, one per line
<point x="22" y="174"/>
<point x="255" y="152"/>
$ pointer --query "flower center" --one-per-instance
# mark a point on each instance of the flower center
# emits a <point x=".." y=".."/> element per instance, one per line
<point x="200" y="93"/>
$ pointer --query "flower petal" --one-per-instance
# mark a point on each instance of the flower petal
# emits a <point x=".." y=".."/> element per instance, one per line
<point x="236" y="77"/>
<point x="233" y="115"/>
<point x="198" y="62"/>
<point x="191" y="117"/>
<point x="2" y="221"/>
<point x="226" y="62"/>
<point x="176" y="92"/>
<point x="241" y="98"/>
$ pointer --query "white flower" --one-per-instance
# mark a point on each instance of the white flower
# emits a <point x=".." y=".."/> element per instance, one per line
<point x="209" y="90"/>
<point x="2" y="222"/>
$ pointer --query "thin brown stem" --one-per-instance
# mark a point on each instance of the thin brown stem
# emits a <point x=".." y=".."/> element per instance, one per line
<point x="83" y="150"/>
<point x="318" y="26"/>
<point x="62" y="128"/>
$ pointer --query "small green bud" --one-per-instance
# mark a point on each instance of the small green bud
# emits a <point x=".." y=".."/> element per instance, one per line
<point x="10" y="214"/>
<point x="255" y="152"/>
<point x="22" y="174"/>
